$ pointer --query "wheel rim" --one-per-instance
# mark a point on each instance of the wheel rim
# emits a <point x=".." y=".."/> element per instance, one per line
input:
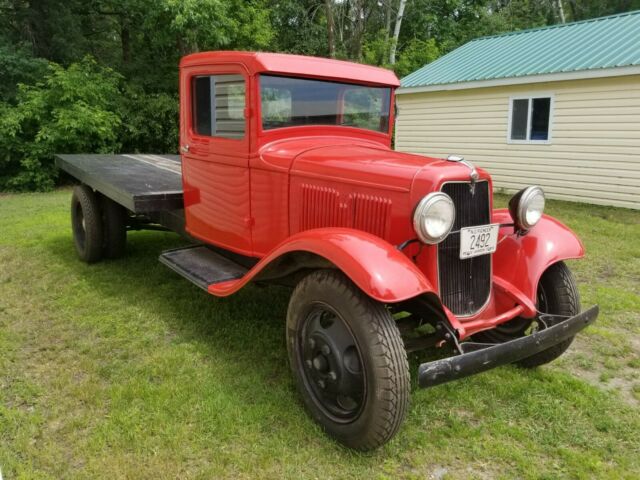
<point x="332" y="364"/>
<point x="79" y="226"/>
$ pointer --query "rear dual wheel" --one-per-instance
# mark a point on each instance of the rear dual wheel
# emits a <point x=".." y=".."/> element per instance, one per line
<point x="348" y="360"/>
<point x="99" y="225"/>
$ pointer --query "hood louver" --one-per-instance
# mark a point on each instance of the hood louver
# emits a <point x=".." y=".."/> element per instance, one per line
<point x="325" y="207"/>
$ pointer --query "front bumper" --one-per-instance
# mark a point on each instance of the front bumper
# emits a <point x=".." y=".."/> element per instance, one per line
<point x="453" y="368"/>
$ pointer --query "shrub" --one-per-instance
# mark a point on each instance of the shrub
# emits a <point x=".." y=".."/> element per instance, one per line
<point x="149" y="121"/>
<point x="69" y="111"/>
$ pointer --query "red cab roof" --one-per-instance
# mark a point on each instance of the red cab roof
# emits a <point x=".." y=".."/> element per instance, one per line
<point x="299" y="65"/>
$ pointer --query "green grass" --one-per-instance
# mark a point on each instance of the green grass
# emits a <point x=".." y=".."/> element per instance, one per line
<point x="124" y="370"/>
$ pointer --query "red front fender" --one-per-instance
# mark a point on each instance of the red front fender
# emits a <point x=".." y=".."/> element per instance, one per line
<point x="520" y="261"/>
<point x="375" y="266"/>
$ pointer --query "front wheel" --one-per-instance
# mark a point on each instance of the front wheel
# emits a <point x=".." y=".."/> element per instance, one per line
<point x="348" y="360"/>
<point x="557" y="295"/>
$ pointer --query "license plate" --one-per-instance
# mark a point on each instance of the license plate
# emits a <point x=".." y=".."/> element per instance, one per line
<point x="480" y="240"/>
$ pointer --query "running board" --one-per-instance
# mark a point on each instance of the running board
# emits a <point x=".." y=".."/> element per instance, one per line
<point x="201" y="265"/>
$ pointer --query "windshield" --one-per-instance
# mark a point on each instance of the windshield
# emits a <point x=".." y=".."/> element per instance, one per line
<point x="291" y="102"/>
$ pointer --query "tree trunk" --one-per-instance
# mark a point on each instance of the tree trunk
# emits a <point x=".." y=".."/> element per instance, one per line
<point x="396" y="32"/>
<point x="560" y="11"/>
<point x="387" y="20"/>
<point x="356" y="14"/>
<point x="330" y="29"/>
<point x="125" y="40"/>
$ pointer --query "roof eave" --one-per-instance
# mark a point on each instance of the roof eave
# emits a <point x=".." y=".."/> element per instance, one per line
<point x="541" y="78"/>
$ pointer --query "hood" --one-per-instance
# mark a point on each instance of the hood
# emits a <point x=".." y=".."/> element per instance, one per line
<point x="358" y="161"/>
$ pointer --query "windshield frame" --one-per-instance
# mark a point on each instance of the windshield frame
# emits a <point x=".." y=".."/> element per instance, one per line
<point x="352" y="129"/>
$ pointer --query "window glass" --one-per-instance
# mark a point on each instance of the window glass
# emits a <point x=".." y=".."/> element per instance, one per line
<point x="519" y="119"/>
<point x="540" y="119"/>
<point x="288" y="102"/>
<point x="220" y="114"/>
<point x="530" y="119"/>
<point x="201" y="89"/>
<point x="363" y="107"/>
<point x="276" y="107"/>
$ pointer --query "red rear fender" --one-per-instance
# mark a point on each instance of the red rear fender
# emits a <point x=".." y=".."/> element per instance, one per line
<point x="375" y="266"/>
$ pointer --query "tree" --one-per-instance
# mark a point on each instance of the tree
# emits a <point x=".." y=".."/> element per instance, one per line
<point x="71" y="110"/>
<point x="330" y="28"/>
<point x="396" y="32"/>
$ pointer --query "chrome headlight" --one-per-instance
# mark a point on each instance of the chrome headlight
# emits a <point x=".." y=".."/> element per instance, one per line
<point x="433" y="217"/>
<point x="526" y="207"/>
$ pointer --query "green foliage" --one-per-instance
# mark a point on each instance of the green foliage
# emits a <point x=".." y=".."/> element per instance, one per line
<point x="18" y="66"/>
<point x="376" y="50"/>
<point x="299" y="27"/>
<point x="71" y="110"/>
<point x="149" y="121"/>
<point x="416" y="54"/>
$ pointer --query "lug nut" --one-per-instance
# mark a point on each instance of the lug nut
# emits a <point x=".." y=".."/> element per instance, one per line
<point x="332" y="376"/>
<point x="312" y="343"/>
<point x="308" y="363"/>
<point x="321" y="384"/>
<point x="325" y="350"/>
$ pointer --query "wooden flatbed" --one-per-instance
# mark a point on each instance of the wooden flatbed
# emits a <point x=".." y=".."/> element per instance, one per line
<point x="140" y="183"/>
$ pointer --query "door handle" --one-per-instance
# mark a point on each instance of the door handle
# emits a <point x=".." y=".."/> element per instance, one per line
<point x="185" y="148"/>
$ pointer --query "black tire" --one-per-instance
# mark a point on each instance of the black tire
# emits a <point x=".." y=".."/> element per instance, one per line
<point x="86" y="224"/>
<point x="114" y="228"/>
<point x="557" y="294"/>
<point x="339" y="336"/>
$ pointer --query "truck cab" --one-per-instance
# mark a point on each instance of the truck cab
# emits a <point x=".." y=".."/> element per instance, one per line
<point x="249" y="123"/>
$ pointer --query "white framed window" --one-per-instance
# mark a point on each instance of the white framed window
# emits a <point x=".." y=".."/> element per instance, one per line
<point x="530" y="118"/>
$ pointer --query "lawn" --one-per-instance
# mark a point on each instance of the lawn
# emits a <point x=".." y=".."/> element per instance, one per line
<point x="125" y="370"/>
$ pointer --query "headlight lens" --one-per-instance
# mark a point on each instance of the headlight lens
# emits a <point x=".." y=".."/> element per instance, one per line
<point x="434" y="217"/>
<point x="526" y="207"/>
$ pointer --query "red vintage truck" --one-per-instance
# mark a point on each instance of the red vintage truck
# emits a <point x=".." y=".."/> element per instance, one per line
<point x="286" y="175"/>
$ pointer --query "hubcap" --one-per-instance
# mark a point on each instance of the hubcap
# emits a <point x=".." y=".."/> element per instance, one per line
<point x="332" y="364"/>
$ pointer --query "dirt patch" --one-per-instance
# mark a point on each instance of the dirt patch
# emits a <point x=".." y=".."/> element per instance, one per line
<point x="620" y="373"/>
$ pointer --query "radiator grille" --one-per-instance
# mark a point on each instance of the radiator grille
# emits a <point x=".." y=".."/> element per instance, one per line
<point x="465" y="284"/>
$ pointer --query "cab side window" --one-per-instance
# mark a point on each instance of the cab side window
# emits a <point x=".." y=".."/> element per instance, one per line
<point x="218" y="105"/>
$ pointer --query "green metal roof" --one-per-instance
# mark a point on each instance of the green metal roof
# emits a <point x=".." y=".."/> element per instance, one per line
<point x="599" y="43"/>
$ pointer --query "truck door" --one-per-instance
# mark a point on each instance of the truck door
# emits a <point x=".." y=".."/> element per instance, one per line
<point x="214" y="143"/>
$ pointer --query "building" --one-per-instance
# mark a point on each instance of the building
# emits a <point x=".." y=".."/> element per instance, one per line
<point x="557" y="106"/>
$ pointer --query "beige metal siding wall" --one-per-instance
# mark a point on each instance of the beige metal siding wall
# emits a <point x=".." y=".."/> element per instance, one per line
<point x="593" y="155"/>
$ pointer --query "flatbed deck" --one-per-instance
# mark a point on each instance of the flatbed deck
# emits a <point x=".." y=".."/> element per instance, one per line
<point x="140" y="183"/>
